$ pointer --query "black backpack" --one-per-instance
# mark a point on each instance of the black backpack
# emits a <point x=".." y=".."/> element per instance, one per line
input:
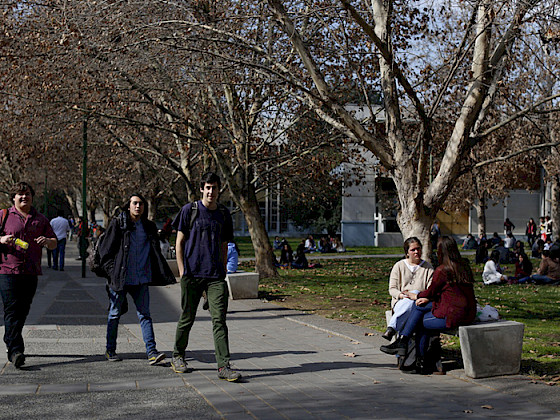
<point x="194" y="213"/>
<point x="432" y="358"/>
<point x="94" y="259"/>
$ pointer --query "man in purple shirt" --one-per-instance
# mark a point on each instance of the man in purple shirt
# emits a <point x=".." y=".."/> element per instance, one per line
<point x="25" y="233"/>
<point x="201" y="258"/>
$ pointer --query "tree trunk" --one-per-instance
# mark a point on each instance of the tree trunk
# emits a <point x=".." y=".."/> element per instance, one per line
<point x="480" y="206"/>
<point x="264" y="255"/>
<point x="414" y="219"/>
<point x="72" y="201"/>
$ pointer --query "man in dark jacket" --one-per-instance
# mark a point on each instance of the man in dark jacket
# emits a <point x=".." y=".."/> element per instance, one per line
<point x="131" y="257"/>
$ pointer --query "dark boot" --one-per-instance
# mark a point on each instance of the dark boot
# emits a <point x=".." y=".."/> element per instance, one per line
<point x="389" y="334"/>
<point x="398" y="347"/>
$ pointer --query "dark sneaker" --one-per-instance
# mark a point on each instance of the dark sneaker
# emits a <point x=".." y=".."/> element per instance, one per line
<point x="111" y="356"/>
<point x="156" y="358"/>
<point x="18" y="359"/>
<point x="227" y="374"/>
<point x="179" y="365"/>
<point x="398" y="347"/>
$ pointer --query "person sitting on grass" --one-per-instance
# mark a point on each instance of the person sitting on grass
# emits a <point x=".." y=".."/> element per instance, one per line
<point x="301" y="259"/>
<point x="310" y="244"/>
<point x="495" y="240"/>
<point x="325" y="245"/>
<point x="504" y="252"/>
<point x="408" y="277"/>
<point x="482" y="252"/>
<point x="338" y="245"/>
<point x="448" y="303"/>
<point x="286" y="256"/>
<point x="492" y="273"/>
<point x="470" y="242"/>
<point x="549" y="270"/>
<point x="523" y="269"/>
<point x="277" y="244"/>
<point x="537" y="248"/>
<point x="509" y="241"/>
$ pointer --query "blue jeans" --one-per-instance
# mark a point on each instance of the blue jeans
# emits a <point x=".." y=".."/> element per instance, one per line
<point x="425" y="324"/>
<point x="141" y="297"/>
<point x="58" y="254"/>
<point x="17" y="292"/>
<point x="540" y="279"/>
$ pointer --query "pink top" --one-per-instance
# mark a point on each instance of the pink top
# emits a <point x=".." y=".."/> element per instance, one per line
<point x="15" y="260"/>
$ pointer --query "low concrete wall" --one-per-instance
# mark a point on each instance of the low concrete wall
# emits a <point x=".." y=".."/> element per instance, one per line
<point x="174" y="269"/>
<point x="387" y="239"/>
<point x="243" y="285"/>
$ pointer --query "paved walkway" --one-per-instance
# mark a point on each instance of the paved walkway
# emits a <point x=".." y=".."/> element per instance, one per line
<point x="295" y="366"/>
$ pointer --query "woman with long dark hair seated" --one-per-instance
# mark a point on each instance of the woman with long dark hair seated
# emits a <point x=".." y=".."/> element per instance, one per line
<point x="447" y="303"/>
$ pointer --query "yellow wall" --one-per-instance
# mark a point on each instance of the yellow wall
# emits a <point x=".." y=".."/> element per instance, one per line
<point x="453" y="223"/>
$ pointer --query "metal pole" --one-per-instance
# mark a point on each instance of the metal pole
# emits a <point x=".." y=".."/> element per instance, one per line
<point x="85" y="225"/>
<point x="45" y="206"/>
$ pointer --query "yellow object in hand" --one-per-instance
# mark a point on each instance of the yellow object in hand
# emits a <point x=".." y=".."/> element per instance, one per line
<point x="21" y="244"/>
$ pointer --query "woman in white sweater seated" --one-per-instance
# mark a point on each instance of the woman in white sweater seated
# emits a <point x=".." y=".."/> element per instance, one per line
<point x="409" y="276"/>
<point x="492" y="273"/>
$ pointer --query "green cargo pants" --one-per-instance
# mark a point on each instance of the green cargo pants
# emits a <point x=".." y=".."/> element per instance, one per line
<point x="191" y="292"/>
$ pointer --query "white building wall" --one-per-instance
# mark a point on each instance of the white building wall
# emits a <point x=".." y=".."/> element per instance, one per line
<point x="518" y="207"/>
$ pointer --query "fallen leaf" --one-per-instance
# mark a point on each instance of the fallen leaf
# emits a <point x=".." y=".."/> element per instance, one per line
<point x="356" y="342"/>
<point x="551" y="383"/>
<point x="369" y="334"/>
<point x="376" y="382"/>
<point x="487" y="407"/>
<point x="350" y="354"/>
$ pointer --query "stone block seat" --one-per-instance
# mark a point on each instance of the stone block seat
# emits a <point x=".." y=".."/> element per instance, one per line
<point x="241" y="284"/>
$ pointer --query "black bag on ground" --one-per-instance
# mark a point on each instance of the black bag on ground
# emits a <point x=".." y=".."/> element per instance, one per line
<point x="432" y="357"/>
<point x="408" y="361"/>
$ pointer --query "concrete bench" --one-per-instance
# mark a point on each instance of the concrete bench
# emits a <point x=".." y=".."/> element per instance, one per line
<point x="241" y="285"/>
<point x="490" y="348"/>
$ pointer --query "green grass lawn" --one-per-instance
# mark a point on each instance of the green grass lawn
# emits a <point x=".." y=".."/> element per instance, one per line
<point x="356" y="291"/>
<point x="246" y="247"/>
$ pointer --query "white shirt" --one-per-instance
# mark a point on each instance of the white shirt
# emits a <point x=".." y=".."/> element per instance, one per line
<point x="60" y="227"/>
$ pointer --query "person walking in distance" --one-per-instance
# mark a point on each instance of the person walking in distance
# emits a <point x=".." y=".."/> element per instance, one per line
<point x="204" y="229"/>
<point x="61" y="227"/>
<point x="131" y="257"/>
<point x="25" y="232"/>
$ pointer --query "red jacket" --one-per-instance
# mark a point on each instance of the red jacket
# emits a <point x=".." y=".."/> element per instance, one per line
<point x="454" y="301"/>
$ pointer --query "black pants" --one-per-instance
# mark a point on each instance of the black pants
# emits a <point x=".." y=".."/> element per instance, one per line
<point x="17" y="292"/>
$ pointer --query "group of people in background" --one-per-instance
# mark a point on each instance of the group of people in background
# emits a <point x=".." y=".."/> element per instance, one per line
<point x="496" y="251"/>
<point x="289" y="259"/>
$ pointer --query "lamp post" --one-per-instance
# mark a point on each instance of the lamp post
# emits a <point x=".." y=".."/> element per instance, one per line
<point x="85" y="227"/>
